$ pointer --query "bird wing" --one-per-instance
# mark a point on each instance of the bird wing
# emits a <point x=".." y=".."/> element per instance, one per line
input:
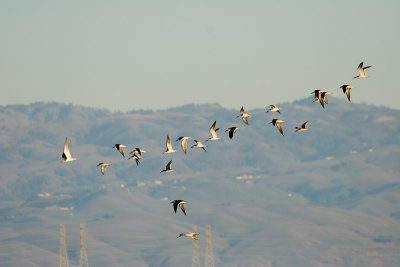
<point x="348" y="94"/>
<point x="279" y="127"/>
<point x="182" y="208"/>
<point x="245" y="120"/>
<point x="242" y="110"/>
<point x="175" y="205"/>
<point x="184" y="145"/>
<point x="66" y="153"/>
<point x="103" y="168"/>
<point x="213" y="132"/>
<point x="168" y="167"/>
<point x="168" y="144"/>
<point x="231" y="132"/>
<point x="304" y="125"/>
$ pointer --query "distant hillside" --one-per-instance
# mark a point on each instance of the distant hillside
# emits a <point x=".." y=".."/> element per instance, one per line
<point x="328" y="196"/>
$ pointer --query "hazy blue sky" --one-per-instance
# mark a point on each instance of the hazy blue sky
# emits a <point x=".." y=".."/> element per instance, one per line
<point x="126" y="55"/>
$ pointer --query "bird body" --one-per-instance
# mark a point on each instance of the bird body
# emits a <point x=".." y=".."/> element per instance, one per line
<point x="120" y="147"/>
<point x="278" y="124"/>
<point x="66" y="155"/>
<point x="184" y="140"/>
<point x="199" y="144"/>
<point x="244" y="116"/>
<point x="302" y="128"/>
<point x="103" y="166"/>
<point x="179" y="203"/>
<point x="361" y="71"/>
<point x="273" y="108"/>
<point x="168" y="167"/>
<point x="231" y="130"/>
<point x="190" y="234"/>
<point x="169" y="146"/>
<point x="213" y="132"/>
<point x="346" y="90"/>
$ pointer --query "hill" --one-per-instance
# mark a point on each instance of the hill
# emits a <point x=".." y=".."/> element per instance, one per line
<point x="324" y="197"/>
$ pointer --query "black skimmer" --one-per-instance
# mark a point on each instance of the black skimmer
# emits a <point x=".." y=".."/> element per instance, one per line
<point x="169" y="146"/>
<point x="168" y="167"/>
<point x="66" y="155"/>
<point x="120" y="147"/>
<point x="231" y="130"/>
<point x="278" y="124"/>
<point x="361" y="71"/>
<point x="136" y="156"/>
<point x="190" y="234"/>
<point x="183" y="142"/>
<point x="213" y="132"/>
<point x="321" y="96"/>
<point x="302" y="128"/>
<point x="180" y="204"/>
<point x="273" y="109"/>
<point x="346" y="90"/>
<point x="103" y="166"/>
<point x="199" y="144"/>
<point x="244" y="116"/>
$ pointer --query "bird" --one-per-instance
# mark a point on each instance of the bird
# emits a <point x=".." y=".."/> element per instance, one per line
<point x="213" y="132"/>
<point x="120" y="147"/>
<point x="137" y="158"/>
<point x="66" y="155"/>
<point x="321" y="96"/>
<point x="324" y="96"/>
<point x="183" y="142"/>
<point x="168" y="167"/>
<point x="179" y="203"/>
<point x="190" y="234"/>
<point x="278" y="124"/>
<point x="273" y="108"/>
<point x="103" y="166"/>
<point x="169" y="146"/>
<point x="244" y="115"/>
<point x="231" y="130"/>
<point x="361" y="71"/>
<point x="346" y="90"/>
<point x="302" y="128"/>
<point x="199" y="144"/>
<point x="137" y="150"/>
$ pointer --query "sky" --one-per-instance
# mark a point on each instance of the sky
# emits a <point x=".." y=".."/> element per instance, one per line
<point x="129" y="55"/>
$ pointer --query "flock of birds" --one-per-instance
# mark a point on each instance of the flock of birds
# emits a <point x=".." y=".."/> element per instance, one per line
<point x="319" y="95"/>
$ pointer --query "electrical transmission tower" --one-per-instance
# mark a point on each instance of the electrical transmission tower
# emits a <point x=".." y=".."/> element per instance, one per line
<point x="63" y="257"/>
<point x="195" y="253"/>
<point x="209" y="257"/>
<point x="84" y="259"/>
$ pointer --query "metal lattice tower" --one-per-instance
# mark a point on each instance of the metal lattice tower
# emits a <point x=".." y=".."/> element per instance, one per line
<point x="84" y="259"/>
<point x="209" y="257"/>
<point x="63" y="257"/>
<point x="195" y="253"/>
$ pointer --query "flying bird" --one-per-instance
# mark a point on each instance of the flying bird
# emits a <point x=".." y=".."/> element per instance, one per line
<point x="244" y="115"/>
<point x="213" y="132"/>
<point x="183" y="142"/>
<point x="66" y="155"/>
<point x="302" y="128"/>
<point x="137" y="158"/>
<point x="278" y="124"/>
<point x="120" y="147"/>
<point x="361" y="71"/>
<point x="137" y="150"/>
<point x="321" y="96"/>
<point x="168" y="167"/>
<point x="199" y="144"/>
<point x="231" y="130"/>
<point x="169" y="146"/>
<point x="190" y="234"/>
<point x="346" y="90"/>
<point x="180" y="204"/>
<point x="273" y="108"/>
<point x="103" y="166"/>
